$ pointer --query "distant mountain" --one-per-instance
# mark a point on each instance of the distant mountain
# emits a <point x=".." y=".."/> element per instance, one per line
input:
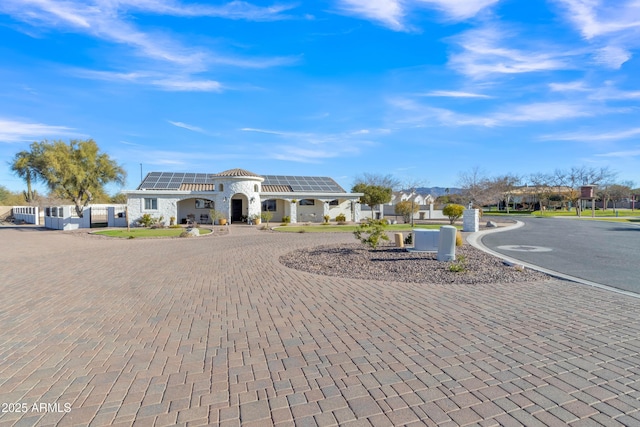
<point x="437" y="191"/>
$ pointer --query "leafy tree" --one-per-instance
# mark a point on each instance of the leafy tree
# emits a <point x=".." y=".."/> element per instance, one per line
<point x="372" y="232"/>
<point x="407" y="209"/>
<point x="119" y="199"/>
<point x="373" y="194"/>
<point x="446" y="199"/>
<point x="76" y="171"/>
<point x="454" y="212"/>
<point x="9" y="198"/>
<point x="378" y="188"/>
<point x="23" y="165"/>
<point x="266" y="216"/>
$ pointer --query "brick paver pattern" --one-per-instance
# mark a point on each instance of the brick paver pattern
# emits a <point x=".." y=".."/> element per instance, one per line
<point x="214" y="331"/>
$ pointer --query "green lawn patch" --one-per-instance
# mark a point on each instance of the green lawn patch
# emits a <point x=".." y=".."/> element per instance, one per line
<point x="609" y="213"/>
<point x="147" y="232"/>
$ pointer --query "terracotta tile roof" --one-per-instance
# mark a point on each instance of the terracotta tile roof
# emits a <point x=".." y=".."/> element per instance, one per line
<point x="197" y="187"/>
<point x="237" y="172"/>
<point x="277" y="188"/>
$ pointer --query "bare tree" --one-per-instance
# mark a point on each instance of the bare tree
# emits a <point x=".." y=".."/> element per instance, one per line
<point x="542" y="188"/>
<point x="474" y="184"/>
<point x="620" y="192"/>
<point x="387" y="181"/>
<point x="502" y="187"/>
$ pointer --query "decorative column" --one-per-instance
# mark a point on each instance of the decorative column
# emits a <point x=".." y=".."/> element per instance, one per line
<point x="293" y="213"/>
<point x="471" y="220"/>
<point x="355" y="211"/>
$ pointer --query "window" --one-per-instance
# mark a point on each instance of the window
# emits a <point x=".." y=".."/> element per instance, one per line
<point x="204" y="204"/>
<point x="307" y="202"/>
<point x="151" y="203"/>
<point x="255" y="188"/>
<point x="269" y="205"/>
<point x="221" y="187"/>
<point x="334" y="202"/>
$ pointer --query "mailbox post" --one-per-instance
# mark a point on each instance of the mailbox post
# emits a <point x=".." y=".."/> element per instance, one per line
<point x="587" y="192"/>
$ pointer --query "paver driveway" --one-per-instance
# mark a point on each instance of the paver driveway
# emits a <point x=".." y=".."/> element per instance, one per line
<point x="214" y="331"/>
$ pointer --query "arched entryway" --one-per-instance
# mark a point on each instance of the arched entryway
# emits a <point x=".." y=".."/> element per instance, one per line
<point x="239" y="207"/>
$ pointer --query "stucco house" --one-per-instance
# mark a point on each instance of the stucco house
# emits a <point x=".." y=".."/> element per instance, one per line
<point x="240" y="194"/>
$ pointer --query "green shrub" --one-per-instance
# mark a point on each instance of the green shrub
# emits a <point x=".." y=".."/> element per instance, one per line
<point x="147" y="220"/>
<point x="341" y="218"/>
<point x="407" y="209"/>
<point x="266" y="216"/>
<point x="459" y="240"/>
<point x="372" y="232"/>
<point x="453" y="211"/>
<point x="459" y="265"/>
<point x="286" y="219"/>
<point x="326" y="219"/>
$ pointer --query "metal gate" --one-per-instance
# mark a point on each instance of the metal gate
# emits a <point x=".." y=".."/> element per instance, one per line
<point x="99" y="217"/>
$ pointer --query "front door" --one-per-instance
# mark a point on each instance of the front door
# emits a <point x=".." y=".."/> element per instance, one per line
<point x="236" y="210"/>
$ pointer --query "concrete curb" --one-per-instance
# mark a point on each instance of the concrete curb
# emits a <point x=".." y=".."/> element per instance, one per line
<point x="475" y="240"/>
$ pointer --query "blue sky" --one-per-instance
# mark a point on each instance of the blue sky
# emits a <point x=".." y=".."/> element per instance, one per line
<point x="420" y="89"/>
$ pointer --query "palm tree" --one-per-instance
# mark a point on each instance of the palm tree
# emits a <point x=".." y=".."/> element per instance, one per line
<point x="23" y="166"/>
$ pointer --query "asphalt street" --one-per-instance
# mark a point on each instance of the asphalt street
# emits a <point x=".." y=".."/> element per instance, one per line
<point x="607" y="253"/>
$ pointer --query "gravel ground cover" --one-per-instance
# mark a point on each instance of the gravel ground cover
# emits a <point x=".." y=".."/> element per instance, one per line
<point x="389" y="263"/>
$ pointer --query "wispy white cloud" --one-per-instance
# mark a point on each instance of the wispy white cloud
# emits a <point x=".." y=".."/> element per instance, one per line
<point x="182" y="159"/>
<point x="484" y="53"/>
<point x="460" y="9"/>
<point x="389" y="13"/>
<point x="425" y="115"/>
<point x="569" y="87"/>
<point x="454" y="94"/>
<point x="595" y="18"/>
<point x="601" y="92"/>
<point x="20" y="131"/>
<point x="187" y="126"/>
<point x="613" y="31"/>
<point x="270" y="132"/>
<point x="187" y="84"/>
<point x="102" y="19"/>
<point x="594" y="136"/>
<point x="392" y="13"/>
<point x="621" y="154"/>
<point x="317" y="146"/>
<point x="238" y="10"/>
<point x="545" y="112"/>
<point x="163" y="53"/>
<point x="164" y="81"/>
<point x="612" y="56"/>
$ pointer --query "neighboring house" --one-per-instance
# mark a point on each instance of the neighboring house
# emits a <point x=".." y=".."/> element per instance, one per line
<point x="418" y="199"/>
<point x="239" y="194"/>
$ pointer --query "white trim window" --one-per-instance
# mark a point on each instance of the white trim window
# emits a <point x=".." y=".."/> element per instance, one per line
<point x="269" y="205"/>
<point x="150" y="204"/>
